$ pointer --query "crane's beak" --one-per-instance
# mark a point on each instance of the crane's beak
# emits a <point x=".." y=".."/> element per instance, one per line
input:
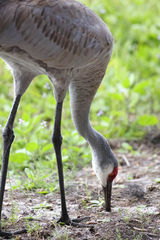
<point x="107" y="195"/>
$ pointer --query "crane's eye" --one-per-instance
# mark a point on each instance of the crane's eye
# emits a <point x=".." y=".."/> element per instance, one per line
<point x="113" y="174"/>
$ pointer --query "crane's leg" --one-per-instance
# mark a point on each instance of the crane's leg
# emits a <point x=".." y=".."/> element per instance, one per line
<point x="57" y="142"/>
<point x="8" y="137"/>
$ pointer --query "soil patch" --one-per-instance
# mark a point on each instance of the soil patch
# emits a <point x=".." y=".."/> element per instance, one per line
<point x="135" y="203"/>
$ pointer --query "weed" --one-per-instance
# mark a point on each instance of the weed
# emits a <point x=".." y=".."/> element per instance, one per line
<point x="61" y="234"/>
<point x="118" y="235"/>
<point x="14" y="210"/>
<point x="32" y="227"/>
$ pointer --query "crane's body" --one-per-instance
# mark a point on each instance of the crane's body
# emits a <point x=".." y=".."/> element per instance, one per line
<point x="52" y="37"/>
<point x="71" y="45"/>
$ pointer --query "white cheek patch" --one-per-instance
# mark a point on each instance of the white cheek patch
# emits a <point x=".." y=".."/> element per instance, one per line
<point x="102" y="173"/>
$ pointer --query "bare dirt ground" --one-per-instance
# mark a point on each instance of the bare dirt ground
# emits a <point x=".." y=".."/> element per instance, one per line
<point x="135" y="203"/>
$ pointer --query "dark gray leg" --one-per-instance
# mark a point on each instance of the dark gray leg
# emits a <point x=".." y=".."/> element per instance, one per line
<point x="8" y="137"/>
<point x="57" y="142"/>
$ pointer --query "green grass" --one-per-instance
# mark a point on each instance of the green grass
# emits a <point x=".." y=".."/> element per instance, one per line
<point x="126" y="104"/>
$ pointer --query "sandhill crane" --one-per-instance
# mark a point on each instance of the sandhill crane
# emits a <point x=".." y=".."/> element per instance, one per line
<point x="71" y="45"/>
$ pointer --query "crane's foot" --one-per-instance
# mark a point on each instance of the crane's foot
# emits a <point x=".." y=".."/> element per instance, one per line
<point x="76" y="222"/>
<point x="80" y="219"/>
<point x="8" y="235"/>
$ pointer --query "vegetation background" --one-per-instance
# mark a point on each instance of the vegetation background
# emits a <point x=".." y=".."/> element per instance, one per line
<point x="126" y="105"/>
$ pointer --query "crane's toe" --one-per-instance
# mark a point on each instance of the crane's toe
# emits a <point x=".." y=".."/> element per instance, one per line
<point x="76" y="222"/>
<point x="9" y="235"/>
<point x="80" y="219"/>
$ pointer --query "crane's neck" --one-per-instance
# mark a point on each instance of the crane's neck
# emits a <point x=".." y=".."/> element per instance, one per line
<point x="102" y="154"/>
<point x="103" y="159"/>
<point x="101" y="151"/>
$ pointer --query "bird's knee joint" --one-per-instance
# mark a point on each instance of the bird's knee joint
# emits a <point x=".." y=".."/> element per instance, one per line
<point x="8" y="134"/>
<point x="57" y="140"/>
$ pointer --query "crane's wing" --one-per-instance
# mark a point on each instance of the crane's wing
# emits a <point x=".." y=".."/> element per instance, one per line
<point x="63" y="34"/>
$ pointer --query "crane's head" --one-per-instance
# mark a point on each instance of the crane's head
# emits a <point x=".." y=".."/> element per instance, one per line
<point x="108" y="188"/>
<point x="105" y="165"/>
<point x="106" y="175"/>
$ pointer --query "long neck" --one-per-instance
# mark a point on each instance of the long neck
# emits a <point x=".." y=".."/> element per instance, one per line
<point x="101" y="151"/>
